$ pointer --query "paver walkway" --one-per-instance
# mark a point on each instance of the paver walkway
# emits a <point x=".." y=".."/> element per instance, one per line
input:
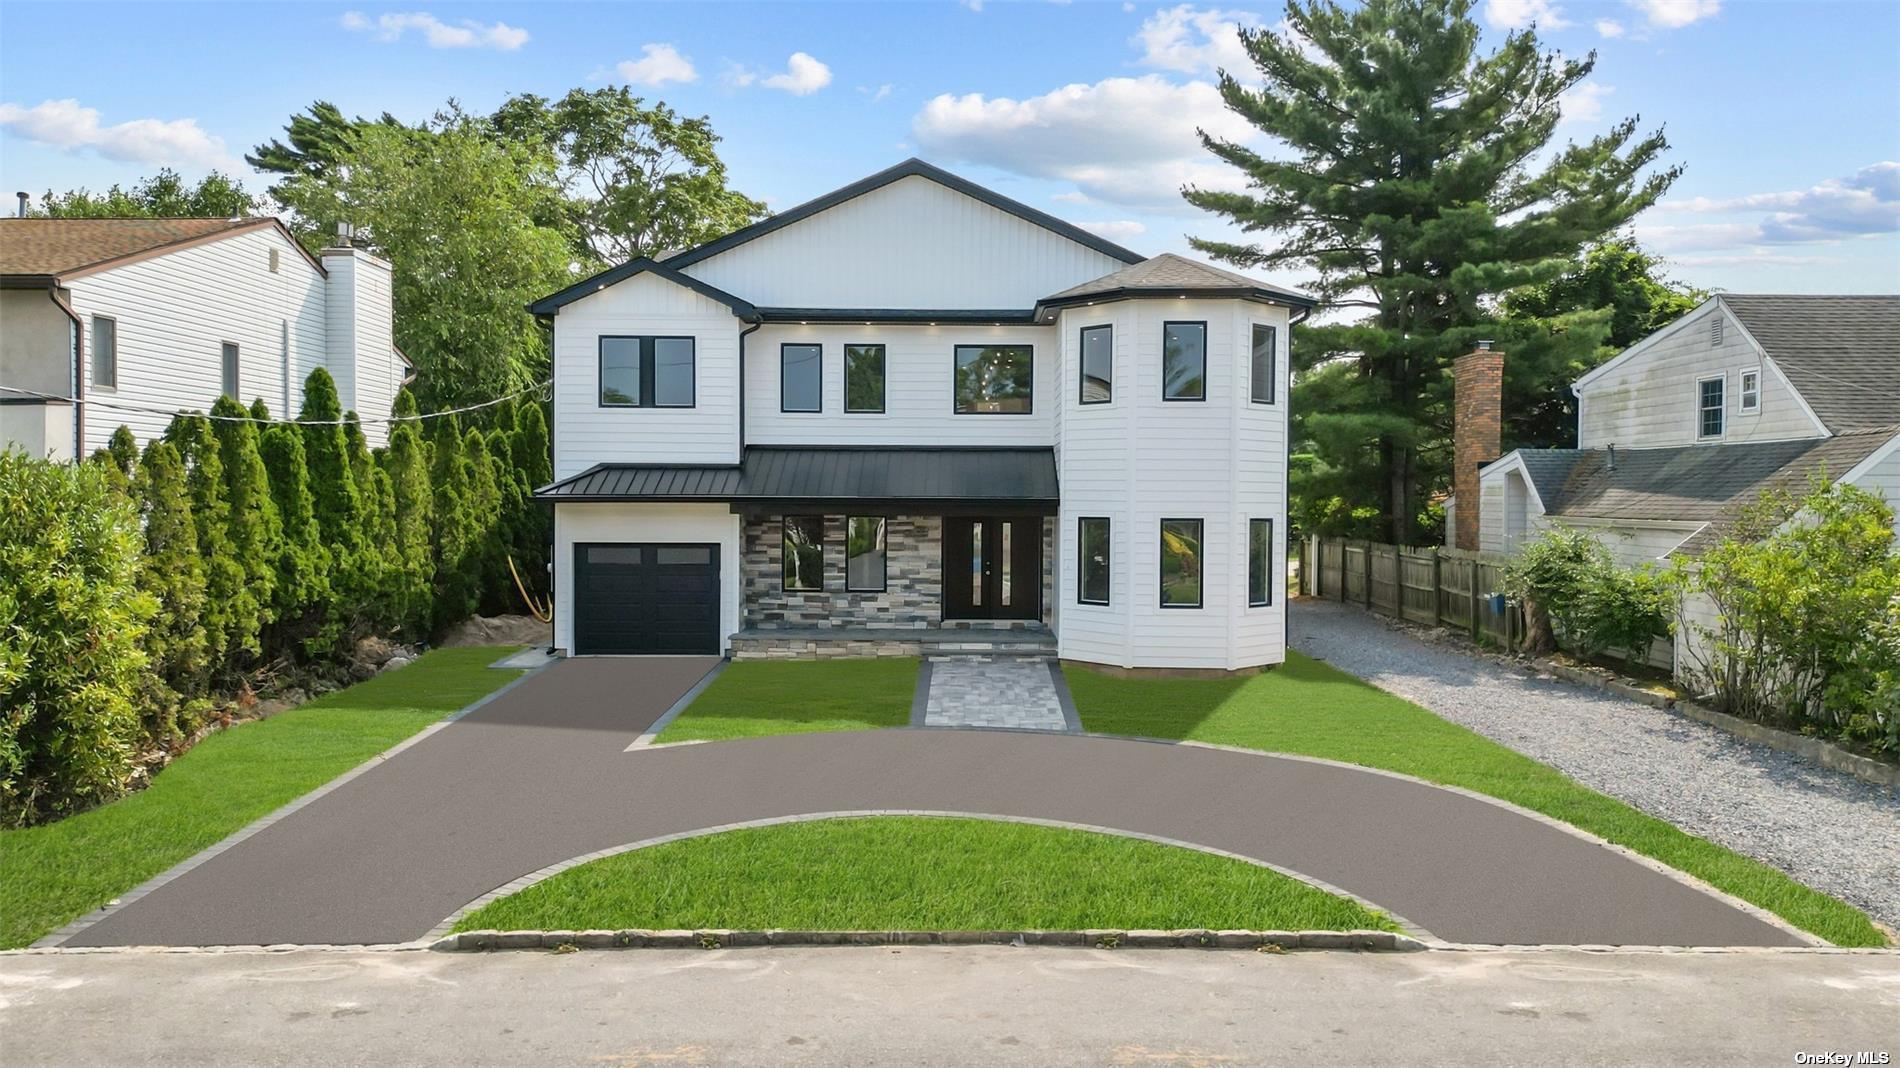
<point x="1017" y="694"/>
<point x="539" y="775"/>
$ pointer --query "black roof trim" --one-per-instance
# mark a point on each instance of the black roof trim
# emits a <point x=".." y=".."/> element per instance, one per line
<point x="980" y="316"/>
<point x="1254" y="293"/>
<point x="924" y="476"/>
<point x="554" y="302"/>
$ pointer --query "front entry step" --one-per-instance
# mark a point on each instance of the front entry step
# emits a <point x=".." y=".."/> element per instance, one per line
<point x="1032" y="641"/>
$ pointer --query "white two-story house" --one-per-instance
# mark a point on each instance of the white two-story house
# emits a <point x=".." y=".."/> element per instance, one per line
<point x="110" y="322"/>
<point x="912" y="411"/>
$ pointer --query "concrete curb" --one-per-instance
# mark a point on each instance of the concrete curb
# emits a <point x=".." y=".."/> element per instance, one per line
<point x="647" y="737"/>
<point x="1358" y="941"/>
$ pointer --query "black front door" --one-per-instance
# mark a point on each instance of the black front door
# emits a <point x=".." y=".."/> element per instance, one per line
<point x="992" y="568"/>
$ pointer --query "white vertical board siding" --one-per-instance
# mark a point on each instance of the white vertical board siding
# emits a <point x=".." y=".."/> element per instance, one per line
<point x="586" y="434"/>
<point x="919" y="398"/>
<point x="362" y="345"/>
<point x="176" y="311"/>
<point x="682" y="523"/>
<point x="910" y="244"/>
<point x="1651" y="401"/>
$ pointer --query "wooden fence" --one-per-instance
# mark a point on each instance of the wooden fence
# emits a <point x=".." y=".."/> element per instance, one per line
<point x="1424" y="585"/>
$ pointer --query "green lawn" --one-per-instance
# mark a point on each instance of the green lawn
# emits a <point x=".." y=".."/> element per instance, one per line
<point x="923" y="873"/>
<point x="53" y="873"/>
<point x="1309" y="708"/>
<point x="754" y="697"/>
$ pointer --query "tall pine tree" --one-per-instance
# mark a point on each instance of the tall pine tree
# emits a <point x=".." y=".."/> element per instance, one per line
<point x="1418" y="186"/>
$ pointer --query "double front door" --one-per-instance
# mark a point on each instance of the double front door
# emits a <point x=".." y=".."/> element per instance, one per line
<point x="992" y="567"/>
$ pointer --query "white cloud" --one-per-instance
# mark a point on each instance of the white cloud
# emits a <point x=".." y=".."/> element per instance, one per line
<point x="466" y="33"/>
<point x="65" y="124"/>
<point x="1115" y="229"/>
<point x="1517" y="14"/>
<point x="657" y="65"/>
<point x="1584" y="102"/>
<point x="1128" y="6"/>
<point x="877" y="95"/>
<point x="1865" y="204"/>
<point x="1675" y="14"/>
<point x="1609" y="28"/>
<point x="803" y="76"/>
<point x="973" y="5"/>
<point x="1195" y="41"/>
<point x="1127" y="141"/>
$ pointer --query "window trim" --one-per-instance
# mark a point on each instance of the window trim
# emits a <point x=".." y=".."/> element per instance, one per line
<point x="1082" y="364"/>
<point x="92" y="353"/>
<point x="1252" y="522"/>
<point x="884" y="574"/>
<point x="883" y="377"/>
<point x="783" y="529"/>
<point x="645" y="366"/>
<point x="1027" y="346"/>
<point x="1161" y="558"/>
<point x="236" y="354"/>
<point x="1721" y="408"/>
<point x="1081" y="555"/>
<point x="1742" y="391"/>
<point x="820" y="346"/>
<point x="1202" y="323"/>
<point x="1273" y="365"/>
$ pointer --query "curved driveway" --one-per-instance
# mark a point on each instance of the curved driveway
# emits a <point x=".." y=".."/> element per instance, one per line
<point x="538" y="776"/>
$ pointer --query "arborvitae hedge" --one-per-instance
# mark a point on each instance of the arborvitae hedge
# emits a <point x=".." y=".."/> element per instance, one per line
<point x="252" y="521"/>
<point x="174" y="576"/>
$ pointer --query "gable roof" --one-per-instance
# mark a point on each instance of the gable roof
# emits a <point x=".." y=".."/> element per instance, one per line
<point x="54" y="249"/>
<point x="553" y="302"/>
<point x="1841" y="353"/>
<point x="1169" y="275"/>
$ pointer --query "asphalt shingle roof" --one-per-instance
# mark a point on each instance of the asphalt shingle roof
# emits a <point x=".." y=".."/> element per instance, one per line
<point x="55" y="247"/>
<point x="1169" y="273"/>
<point x="1842" y="353"/>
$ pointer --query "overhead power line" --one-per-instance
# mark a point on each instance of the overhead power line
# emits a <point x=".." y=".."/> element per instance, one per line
<point x="379" y="420"/>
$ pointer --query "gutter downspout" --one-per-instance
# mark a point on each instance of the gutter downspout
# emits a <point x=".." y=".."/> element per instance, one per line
<point x="77" y="362"/>
<point x="742" y="383"/>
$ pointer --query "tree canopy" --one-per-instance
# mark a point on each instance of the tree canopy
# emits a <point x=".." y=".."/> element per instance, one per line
<point x="165" y="195"/>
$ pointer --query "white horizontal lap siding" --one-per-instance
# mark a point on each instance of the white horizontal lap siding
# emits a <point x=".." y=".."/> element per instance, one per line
<point x="911" y="244"/>
<point x="1260" y="448"/>
<point x="664" y="523"/>
<point x="1883" y="478"/>
<point x="1632" y="544"/>
<point x="176" y="311"/>
<point x="376" y="371"/>
<point x="919" y="398"/>
<point x="1096" y="458"/>
<point x="585" y="433"/>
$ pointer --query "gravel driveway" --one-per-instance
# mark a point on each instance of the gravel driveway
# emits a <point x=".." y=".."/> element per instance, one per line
<point x="1831" y="831"/>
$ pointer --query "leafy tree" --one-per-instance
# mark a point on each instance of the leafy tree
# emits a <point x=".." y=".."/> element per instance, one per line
<point x="255" y="531"/>
<point x="303" y="567"/>
<point x="173" y="575"/>
<point x="230" y="610"/>
<point x="406" y="461"/>
<point x="640" y="178"/>
<point x="165" y="195"/>
<point x="119" y="459"/>
<point x="1419" y="185"/>
<point x="315" y="143"/>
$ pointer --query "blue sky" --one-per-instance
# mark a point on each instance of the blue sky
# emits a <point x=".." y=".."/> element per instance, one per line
<point x="1787" y="115"/>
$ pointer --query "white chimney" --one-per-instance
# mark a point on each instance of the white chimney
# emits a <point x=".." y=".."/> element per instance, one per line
<point x="360" y="350"/>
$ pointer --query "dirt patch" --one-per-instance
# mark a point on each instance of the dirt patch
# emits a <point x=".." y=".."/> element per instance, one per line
<point x="498" y="630"/>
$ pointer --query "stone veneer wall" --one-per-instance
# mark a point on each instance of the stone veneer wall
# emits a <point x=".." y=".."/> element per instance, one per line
<point x="913" y="594"/>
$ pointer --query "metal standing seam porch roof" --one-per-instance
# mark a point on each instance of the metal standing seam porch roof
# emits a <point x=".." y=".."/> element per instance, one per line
<point x="944" y="475"/>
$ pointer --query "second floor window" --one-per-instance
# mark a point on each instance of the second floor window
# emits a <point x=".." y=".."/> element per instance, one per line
<point x="1751" y="391"/>
<point x="801" y="378"/>
<point x="864" y="378"/>
<point x="1265" y="367"/>
<point x="229" y="371"/>
<point x="105" y="352"/>
<point x="646" y="372"/>
<point x="1184" y="361"/>
<point x="1709" y="407"/>
<point x="1098" y="364"/>
<point x="994" y="379"/>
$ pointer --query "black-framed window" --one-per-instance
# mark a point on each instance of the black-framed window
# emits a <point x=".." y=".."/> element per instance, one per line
<point x="1181" y="563"/>
<point x="1710" y="407"/>
<point x="228" y="370"/>
<point x="1184" y="361"/>
<point x="1259" y="562"/>
<point x="864" y="378"/>
<point x="1093" y="555"/>
<point x="105" y="352"/>
<point x="1098" y="365"/>
<point x="647" y="372"/>
<point x="802" y="566"/>
<point x="995" y="379"/>
<point x="864" y="555"/>
<point x="801" y="377"/>
<point x="1264" y="370"/>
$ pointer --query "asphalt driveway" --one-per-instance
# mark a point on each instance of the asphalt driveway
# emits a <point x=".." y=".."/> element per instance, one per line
<point x="539" y="775"/>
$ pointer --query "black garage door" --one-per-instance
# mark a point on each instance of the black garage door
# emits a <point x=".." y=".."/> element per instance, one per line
<point x="646" y="598"/>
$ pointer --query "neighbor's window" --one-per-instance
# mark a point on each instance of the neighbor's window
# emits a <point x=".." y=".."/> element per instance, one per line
<point x="646" y="372"/>
<point x="1751" y="391"/>
<point x="994" y="379"/>
<point x="230" y="370"/>
<point x="864" y="553"/>
<point x="803" y="565"/>
<point x="1259" y="562"/>
<point x="1184" y="361"/>
<point x="1709" y="400"/>
<point x="1098" y="364"/>
<point x="864" y="378"/>
<point x="1092" y="586"/>
<point x="1180" y="563"/>
<point x="105" y="352"/>
<point x="801" y="378"/>
<point x="1264" y="369"/>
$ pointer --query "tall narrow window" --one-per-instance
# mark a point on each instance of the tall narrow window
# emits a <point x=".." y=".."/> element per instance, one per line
<point x="994" y="379"/>
<point x="864" y="378"/>
<point x="230" y="371"/>
<point x="1751" y="391"/>
<point x="1265" y="367"/>
<point x="1092" y="551"/>
<point x="1259" y="562"/>
<point x="620" y="371"/>
<point x="1098" y="364"/>
<point x="1181" y="562"/>
<point x="1184" y="361"/>
<point x="647" y="372"/>
<point x="801" y="378"/>
<point x="864" y="553"/>
<point x="1709" y="407"/>
<point x="105" y="352"/>
<point x="672" y="372"/>
<point x="802" y="565"/>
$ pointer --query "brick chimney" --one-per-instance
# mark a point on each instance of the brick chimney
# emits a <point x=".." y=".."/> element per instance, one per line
<point x="1478" y="395"/>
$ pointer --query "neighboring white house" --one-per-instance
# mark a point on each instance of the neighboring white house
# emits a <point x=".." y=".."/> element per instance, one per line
<point x="110" y="322"/>
<point x="912" y="409"/>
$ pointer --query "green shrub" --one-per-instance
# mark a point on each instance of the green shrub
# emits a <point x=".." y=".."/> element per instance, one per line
<point x="302" y="588"/>
<point x="1573" y="589"/>
<point x="1549" y="578"/>
<point x="173" y="575"/>
<point x="72" y="625"/>
<point x="253" y="529"/>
